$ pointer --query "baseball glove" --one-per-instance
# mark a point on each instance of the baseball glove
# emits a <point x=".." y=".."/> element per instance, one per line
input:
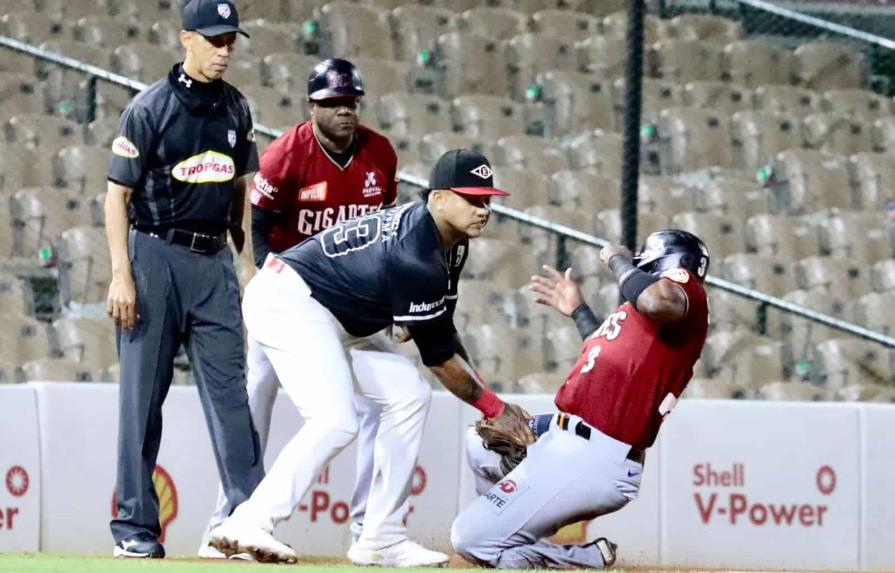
<point x="511" y="451"/>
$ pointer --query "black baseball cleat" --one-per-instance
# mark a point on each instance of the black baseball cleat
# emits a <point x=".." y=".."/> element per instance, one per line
<point x="139" y="546"/>
<point x="607" y="550"/>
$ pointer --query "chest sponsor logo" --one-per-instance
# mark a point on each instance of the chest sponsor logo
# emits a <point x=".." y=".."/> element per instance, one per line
<point x="231" y="137"/>
<point x="312" y="221"/>
<point x="207" y="167"/>
<point x="371" y="186"/>
<point x="263" y="186"/>
<point x="504" y="493"/>
<point x="123" y="147"/>
<point x="425" y="306"/>
<point x="315" y="192"/>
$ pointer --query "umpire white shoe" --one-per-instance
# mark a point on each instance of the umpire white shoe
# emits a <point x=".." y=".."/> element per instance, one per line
<point x="403" y="554"/>
<point x="232" y="540"/>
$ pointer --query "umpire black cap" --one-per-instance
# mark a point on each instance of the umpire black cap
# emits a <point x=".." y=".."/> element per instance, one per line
<point x="334" y="78"/>
<point x="211" y="17"/>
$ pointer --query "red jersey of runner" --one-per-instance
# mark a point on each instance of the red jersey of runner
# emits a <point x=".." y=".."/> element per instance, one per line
<point x="632" y="369"/>
<point x="299" y="179"/>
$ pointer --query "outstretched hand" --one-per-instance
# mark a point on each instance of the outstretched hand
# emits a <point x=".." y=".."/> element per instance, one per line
<point x="557" y="290"/>
<point x="514" y="422"/>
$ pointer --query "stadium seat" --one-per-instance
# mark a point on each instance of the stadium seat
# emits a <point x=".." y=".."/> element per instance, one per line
<point x="101" y="132"/>
<point x="584" y="192"/>
<point x="273" y="10"/>
<point x="266" y="38"/>
<point x="884" y="134"/>
<point x="824" y="65"/>
<point x="15" y="295"/>
<point x="356" y="30"/>
<point x="143" y="61"/>
<point x="717" y="95"/>
<point x="659" y="194"/>
<point x="30" y="27"/>
<point x="654" y="28"/>
<point x="84" y="266"/>
<point x="487" y="117"/>
<point x="842" y="278"/>
<point x="657" y="95"/>
<point x="530" y="54"/>
<point x="434" y="145"/>
<point x="711" y="389"/>
<point x="543" y="244"/>
<point x="882" y="276"/>
<point x="754" y="363"/>
<point x="41" y="214"/>
<point x="873" y="179"/>
<point x="805" y="180"/>
<point x="753" y="63"/>
<point x="565" y="24"/>
<point x="165" y="34"/>
<point x="856" y="235"/>
<point x="865" y="392"/>
<point x="540" y="383"/>
<point x="288" y="71"/>
<point x="765" y="273"/>
<point x="499" y="260"/>
<point x="271" y="107"/>
<point x="22" y="167"/>
<point x="534" y="153"/>
<point x="723" y="235"/>
<point x="498" y="23"/>
<point x="417" y="28"/>
<point x="861" y="103"/>
<point x="837" y="133"/>
<point x="705" y="27"/>
<point x="105" y="31"/>
<point x="732" y="312"/>
<point x="499" y="353"/>
<point x="413" y="114"/>
<point x="792" y="392"/>
<point x="89" y="342"/>
<point x="682" y="61"/>
<point x="780" y="236"/>
<point x="847" y="361"/>
<point x="244" y="71"/>
<point x="608" y="224"/>
<point x="96" y="204"/>
<point x="45" y="133"/>
<point x="585" y="262"/>
<point x="25" y="338"/>
<point x="72" y="10"/>
<point x="598" y="151"/>
<point x="478" y="302"/>
<point x="81" y="168"/>
<point x="758" y="136"/>
<point x="731" y="197"/>
<point x="471" y="64"/>
<point x="577" y="102"/>
<point x="56" y="370"/>
<point x="692" y="139"/>
<point x="526" y="187"/>
<point x="720" y="346"/>
<point x="381" y="76"/>
<point x="791" y="100"/>
<point x="604" y="56"/>
<point x="78" y="50"/>
<point x="301" y="10"/>
<point x="19" y="93"/>
<point x="868" y="311"/>
<point x="562" y="347"/>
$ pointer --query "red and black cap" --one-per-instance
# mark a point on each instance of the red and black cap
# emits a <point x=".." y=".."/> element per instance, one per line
<point x="211" y="18"/>
<point x="466" y="172"/>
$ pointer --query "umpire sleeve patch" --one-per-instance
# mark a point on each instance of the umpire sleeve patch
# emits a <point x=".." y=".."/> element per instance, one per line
<point x="124" y="147"/>
<point x="677" y="275"/>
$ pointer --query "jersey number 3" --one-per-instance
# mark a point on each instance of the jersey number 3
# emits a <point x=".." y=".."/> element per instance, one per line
<point x="591" y="360"/>
<point x="352" y="236"/>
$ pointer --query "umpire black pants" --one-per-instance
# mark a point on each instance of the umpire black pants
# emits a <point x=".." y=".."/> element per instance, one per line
<point x="188" y="298"/>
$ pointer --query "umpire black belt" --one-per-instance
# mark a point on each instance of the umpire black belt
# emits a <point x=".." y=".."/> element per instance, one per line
<point x="201" y="243"/>
<point x="583" y="430"/>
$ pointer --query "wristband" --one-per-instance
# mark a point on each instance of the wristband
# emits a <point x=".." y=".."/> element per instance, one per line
<point x="585" y="320"/>
<point x="489" y="404"/>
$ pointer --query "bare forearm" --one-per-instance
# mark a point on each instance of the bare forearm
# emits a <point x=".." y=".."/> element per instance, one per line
<point x="239" y="202"/>
<point x="458" y="377"/>
<point x="117" y="199"/>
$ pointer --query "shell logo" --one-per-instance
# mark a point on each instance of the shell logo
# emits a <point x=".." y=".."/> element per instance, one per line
<point x="207" y="167"/>
<point x="167" y="499"/>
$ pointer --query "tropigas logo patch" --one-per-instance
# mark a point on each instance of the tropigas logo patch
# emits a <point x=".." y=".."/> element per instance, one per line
<point x="207" y="167"/>
<point x="123" y="147"/>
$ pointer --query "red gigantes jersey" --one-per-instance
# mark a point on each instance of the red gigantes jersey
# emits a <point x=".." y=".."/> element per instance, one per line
<point x="298" y="179"/>
<point x="632" y="369"/>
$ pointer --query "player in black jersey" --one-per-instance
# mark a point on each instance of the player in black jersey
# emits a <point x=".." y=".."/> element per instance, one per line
<point x="311" y="303"/>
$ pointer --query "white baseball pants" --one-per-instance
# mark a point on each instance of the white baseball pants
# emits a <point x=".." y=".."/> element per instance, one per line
<point x="564" y="479"/>
<point x="311" y="355"/>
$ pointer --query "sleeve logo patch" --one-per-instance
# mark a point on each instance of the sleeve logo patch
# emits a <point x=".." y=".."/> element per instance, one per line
<point x="263" y="186"/>
<point x="315" y="192"/>
<point x="207" y="167"/>
<point x="123" y="147"/>
<point x="677" y="275"/>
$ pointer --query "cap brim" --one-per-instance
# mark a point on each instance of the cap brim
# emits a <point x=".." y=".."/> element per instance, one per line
<point x="212" y="31"/>
<point x="480" y="191"/>
<point x="326" y="94"/>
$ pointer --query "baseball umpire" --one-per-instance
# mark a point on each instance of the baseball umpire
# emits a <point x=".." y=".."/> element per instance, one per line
<point x="314" y="301"/>
<point x="175" y="187"/>
<point x="589" y="457"/>
<point x="320" y="173"/>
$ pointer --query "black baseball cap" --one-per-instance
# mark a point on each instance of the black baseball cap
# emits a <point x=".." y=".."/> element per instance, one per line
<point x="211" y="17"/>
<point x="464" y="171"/>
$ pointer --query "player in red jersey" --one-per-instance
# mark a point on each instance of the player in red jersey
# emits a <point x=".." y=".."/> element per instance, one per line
<point x="320" y="173"/>
<point x="632" y="370"/>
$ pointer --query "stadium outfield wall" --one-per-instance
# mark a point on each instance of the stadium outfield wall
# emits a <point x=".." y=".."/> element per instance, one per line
<point x="732" y="484"/>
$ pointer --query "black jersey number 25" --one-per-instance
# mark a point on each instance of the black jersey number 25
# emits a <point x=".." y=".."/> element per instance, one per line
<point x="352" y="236"/>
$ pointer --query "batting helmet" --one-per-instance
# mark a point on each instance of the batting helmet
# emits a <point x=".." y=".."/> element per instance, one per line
<point x="672" y="248"/>
<point x="334" y="78"/>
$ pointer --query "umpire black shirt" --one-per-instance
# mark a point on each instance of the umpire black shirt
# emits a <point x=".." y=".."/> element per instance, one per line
<point x="386" y="268"/>
<point x="180" y="147"/>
